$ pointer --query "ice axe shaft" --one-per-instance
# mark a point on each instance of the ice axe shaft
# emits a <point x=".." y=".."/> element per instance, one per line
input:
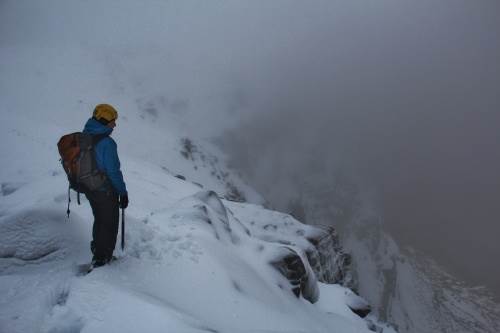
<point x="123" y="229"/>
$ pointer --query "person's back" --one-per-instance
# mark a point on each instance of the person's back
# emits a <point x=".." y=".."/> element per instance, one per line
<point x="107" y="200"/>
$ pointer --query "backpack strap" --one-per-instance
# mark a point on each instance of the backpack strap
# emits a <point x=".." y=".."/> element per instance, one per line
<point x="69" y="200"/>
<point x="97" y="138"/>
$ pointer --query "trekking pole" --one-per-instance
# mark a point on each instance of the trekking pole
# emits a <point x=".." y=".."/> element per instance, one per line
<point x="123" y="229"/>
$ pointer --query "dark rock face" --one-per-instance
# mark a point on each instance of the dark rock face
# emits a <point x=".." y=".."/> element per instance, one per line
<point x="328" y="260"/>
<point x="290" y="265"/>
<point x="358" y="305"/>
<point x="333" y="266"/>
<point x="363" y="312"/>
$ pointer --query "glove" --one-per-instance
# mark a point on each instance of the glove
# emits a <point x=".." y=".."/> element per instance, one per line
<point x="123" y="201"/>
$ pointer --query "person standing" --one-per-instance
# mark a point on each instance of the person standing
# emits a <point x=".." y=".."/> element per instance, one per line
<point x="110" y="197"/>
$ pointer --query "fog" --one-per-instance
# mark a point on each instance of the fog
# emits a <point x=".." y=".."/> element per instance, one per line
<point x="405" y="98"/>
<point x="401" y="96"/>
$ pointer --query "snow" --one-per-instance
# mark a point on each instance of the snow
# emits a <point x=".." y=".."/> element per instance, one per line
<point x="193" y="262"/>
<point x="178" y="272"/>
<point x="411" y="291"/>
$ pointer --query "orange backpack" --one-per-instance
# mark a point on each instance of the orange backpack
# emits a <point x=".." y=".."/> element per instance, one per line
<point x="79" y="162"/>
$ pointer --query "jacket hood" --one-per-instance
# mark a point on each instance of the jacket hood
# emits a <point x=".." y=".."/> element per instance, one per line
<point x="94" y="127"/>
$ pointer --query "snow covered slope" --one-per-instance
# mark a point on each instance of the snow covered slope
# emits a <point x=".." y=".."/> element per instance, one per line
<point x="413" y="292"/>
<point x="404" y="287"/>
<point x="193" y="261"/>
<point x="190" y="264"/>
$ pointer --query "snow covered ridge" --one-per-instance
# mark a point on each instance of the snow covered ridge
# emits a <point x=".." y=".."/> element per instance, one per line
<point x="192" y="262"/>
<point x="320" y="245"/>
<point x="190" y="265"/>
<point x="179" y="273"/>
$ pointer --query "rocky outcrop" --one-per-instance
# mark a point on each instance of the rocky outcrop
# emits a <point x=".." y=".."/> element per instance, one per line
<point x="328" y="259"/>
<point x="290" y="264"/>
<point x="207" y="210"/>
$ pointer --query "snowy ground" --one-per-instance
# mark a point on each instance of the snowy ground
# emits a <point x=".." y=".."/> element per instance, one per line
<point x="192" y="262"/>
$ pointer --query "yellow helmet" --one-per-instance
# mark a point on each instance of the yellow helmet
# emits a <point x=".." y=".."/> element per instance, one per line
<point x="105" y="112"/>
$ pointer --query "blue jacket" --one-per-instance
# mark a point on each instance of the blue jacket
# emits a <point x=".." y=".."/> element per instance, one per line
<point x="107" y="155"/>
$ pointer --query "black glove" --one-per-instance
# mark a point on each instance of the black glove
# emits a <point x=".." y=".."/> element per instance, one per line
<point x="124" y="201"/>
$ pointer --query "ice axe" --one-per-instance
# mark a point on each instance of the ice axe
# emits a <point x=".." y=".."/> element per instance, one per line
<point x="123" y="229"/>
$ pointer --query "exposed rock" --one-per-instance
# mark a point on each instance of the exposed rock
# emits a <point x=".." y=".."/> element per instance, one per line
<point x="198" y="184"/>
<point x="289" y="263"/>
<point x="187" y="148"/>
<point x="328" y="259"/>
<point x="358" y="305"/>
<point x="233" y="193"/>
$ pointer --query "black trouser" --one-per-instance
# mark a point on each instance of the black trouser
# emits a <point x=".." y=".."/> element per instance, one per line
<point x="106" y="218"/>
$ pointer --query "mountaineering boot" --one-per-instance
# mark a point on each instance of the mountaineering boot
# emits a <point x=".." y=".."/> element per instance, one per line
<point x="84" y="269"/>
<point x="98" y="262"/>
